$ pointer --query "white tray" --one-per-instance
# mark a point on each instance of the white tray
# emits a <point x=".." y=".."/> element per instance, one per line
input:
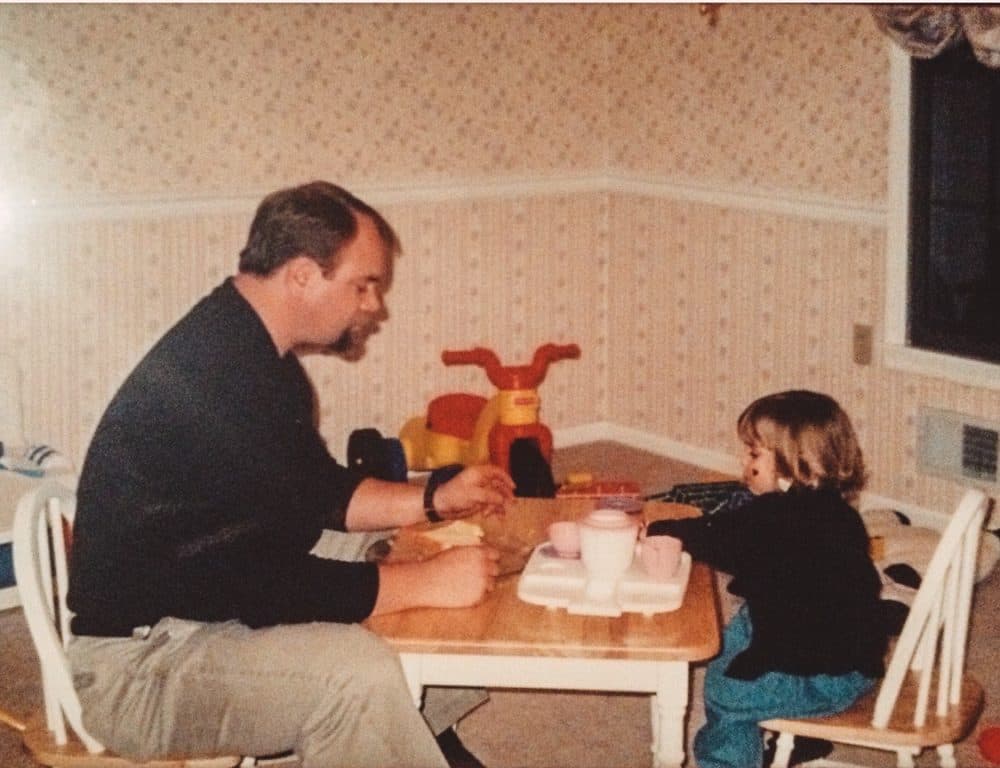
<point x="558" y="582"/>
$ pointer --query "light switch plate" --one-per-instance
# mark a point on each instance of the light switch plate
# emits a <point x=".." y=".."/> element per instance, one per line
<point x="862" y="344"/>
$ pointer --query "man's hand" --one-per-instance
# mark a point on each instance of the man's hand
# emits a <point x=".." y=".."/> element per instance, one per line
<point x="380" y="504"/>
<point x="480" y="488"/>
<point x="456" y="578"/>
<point x="461" y="576"/>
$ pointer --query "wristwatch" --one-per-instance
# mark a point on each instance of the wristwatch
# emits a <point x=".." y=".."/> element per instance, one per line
<point x="438" y="477"/>
<point x="429" y="511"/>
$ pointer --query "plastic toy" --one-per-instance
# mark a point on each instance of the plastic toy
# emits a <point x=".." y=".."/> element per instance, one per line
<point x="582" y="485"/>
<point x="989" y="744"/>
<point x="462" y="428"/>
<point x="375" y="456"/>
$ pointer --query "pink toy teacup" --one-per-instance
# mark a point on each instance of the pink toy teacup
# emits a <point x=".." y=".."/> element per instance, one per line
<point x="660" y="556"/>
<point x="564" y="536"/>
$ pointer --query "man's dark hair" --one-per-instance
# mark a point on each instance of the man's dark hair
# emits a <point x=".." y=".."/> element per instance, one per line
<point x="316" y="220"/>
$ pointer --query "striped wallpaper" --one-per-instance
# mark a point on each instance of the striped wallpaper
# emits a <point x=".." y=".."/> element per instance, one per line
<point x="684" y="310"/>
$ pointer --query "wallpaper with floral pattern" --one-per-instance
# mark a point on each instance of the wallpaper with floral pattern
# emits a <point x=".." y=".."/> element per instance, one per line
<point x="153" y="101"/>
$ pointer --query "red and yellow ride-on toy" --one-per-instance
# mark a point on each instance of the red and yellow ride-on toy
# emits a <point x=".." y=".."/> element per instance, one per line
<point x="462" y="428"/>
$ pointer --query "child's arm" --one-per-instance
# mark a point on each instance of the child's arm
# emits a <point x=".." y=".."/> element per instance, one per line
<point x="712" y="539"/>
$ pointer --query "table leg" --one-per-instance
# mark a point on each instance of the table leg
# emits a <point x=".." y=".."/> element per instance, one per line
<point x="669" y="709"/>
<point x="412" y="670"/>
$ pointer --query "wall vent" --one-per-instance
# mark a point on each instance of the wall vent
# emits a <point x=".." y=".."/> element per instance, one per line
<point x="957" y="446"/>
<point x="979" y="452"/>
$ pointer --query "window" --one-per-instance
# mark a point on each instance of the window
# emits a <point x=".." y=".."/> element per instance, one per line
<point x="954" y="280"/>
<point x="943" y="259"/>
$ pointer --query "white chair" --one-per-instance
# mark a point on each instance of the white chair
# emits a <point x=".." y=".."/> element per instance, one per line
<point x="929" y="655"/>
<point x="42" y="529"/>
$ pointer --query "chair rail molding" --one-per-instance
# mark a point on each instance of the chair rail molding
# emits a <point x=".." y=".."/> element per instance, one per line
<point x="620" y="181"/>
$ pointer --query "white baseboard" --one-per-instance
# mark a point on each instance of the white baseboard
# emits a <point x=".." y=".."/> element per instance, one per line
<point x="646" y="441"/>
<point x="584" y="433"/>
<point x="720" y="462"/>
<point x="9" y="598"/>
<point x="664" y="446"/>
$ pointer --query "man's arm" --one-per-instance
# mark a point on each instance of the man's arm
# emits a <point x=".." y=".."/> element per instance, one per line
<point x="455" y="578"/>
<point x="379" y="504"/>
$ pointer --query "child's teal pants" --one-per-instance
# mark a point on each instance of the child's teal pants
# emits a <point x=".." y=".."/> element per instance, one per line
<point x="731" y="738"/>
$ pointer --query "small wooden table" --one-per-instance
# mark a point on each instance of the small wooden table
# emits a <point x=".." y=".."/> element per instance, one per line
<point x="506" y="643"/>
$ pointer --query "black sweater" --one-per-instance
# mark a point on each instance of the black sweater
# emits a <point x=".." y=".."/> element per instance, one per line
<point x="205" y="486"/>
<point x="801" y="561"/>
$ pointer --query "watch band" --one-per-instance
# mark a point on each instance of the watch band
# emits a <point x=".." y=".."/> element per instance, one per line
<point x="429" y="511"/>
<point x="437" y="478"/>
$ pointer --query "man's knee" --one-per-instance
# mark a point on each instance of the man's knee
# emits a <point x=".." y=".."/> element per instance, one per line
<point x="376" y="666"/>
<point x="352" y="656"/>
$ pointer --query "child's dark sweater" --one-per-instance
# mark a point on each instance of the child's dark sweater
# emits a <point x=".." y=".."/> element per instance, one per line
<point x="801" y="561"/>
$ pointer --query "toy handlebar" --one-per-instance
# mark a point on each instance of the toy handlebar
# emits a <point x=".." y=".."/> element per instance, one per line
<point x="481" y="356"/>
<point x="512" y="376"/>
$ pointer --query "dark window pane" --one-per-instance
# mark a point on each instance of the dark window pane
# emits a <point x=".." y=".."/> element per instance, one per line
<point x="959" y="145"/>
<point x="955" y="207"/>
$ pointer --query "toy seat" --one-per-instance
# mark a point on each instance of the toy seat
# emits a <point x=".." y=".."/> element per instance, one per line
<point x="455" y="414"/>
<point x="929" y="656"/>
<point x="42" y="525"/>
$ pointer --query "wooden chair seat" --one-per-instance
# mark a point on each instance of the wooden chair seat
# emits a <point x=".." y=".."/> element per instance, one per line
<point x="41" y="744"/>
<point x="854" y="725"/>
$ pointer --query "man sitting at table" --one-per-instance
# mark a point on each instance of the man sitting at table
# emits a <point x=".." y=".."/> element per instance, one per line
<point x="203" y="621"/>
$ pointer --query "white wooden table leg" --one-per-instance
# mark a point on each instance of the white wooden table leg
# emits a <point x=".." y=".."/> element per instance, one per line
<point x="946" y="756"/>
<point x="669" y="710"/>
<point x="783" y="746"/>
<point x="413" y="672"/>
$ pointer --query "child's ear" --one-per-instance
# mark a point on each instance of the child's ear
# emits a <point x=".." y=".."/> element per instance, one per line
<point x="784" y="484"/>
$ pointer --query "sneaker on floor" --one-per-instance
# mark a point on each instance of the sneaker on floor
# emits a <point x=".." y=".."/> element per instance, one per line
<point x="804" y="750"/>
<point x="455" y="752"/>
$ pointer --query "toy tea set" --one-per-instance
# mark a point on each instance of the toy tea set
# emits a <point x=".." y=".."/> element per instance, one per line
<point x="600" y="566"/>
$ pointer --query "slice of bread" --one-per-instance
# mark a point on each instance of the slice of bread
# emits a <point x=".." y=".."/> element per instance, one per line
<point x="425" y="540"/>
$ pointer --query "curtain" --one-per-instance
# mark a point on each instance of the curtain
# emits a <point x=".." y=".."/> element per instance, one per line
<point x="924" y="31"/>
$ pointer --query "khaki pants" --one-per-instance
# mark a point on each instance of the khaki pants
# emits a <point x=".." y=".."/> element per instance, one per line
<point x="442" y="707"/>
<point x="334" y="694"/>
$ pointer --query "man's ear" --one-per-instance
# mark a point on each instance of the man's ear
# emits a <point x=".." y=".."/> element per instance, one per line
<point x="300" y="270"/>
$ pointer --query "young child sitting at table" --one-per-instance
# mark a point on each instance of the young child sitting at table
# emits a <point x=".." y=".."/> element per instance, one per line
<point x="809" y="638"/>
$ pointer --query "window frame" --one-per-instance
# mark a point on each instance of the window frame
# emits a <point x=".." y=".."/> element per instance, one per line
<point x="897" y="352"/>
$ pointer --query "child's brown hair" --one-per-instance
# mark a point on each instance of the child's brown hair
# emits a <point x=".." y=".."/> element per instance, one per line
<point x="812" y="438"/>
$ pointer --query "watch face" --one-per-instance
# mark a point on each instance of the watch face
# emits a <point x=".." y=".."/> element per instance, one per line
<point x="378" y="551"/>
